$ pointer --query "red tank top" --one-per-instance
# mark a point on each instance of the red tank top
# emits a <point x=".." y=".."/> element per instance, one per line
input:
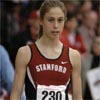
<point x="44" y="71"/>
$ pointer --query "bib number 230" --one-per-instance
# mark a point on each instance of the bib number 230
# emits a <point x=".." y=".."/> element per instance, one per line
<point x="50" y="92"/>
<point x="52" y="95"/>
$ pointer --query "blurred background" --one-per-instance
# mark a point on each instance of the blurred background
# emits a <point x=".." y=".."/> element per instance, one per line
<point x="19" y="26"/>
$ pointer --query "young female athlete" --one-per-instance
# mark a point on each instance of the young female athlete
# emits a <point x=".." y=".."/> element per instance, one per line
<point x="47" y="66"/>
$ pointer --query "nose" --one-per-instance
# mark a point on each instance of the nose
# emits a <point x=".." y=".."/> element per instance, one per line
<point x="55" y="24"/>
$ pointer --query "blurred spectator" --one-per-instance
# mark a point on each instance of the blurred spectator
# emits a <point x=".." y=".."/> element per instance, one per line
<point x="10" y="18"/>
<point x="87" y="29"/>
<point x="84" y="7"/>
<point x="29" y="35"/>
<point x="14" y="19"/>
<point x="99" y="11"/>
<point x="70" y="35"/>
<point x="96" y="4"/>
<point x="3" y="25"/>
<point x="70" y="5"/>
<point x="6" y="73"/>
<point x="33" y="23"/>
<point x="90" y="61"/>
<point x="98" y="28"/>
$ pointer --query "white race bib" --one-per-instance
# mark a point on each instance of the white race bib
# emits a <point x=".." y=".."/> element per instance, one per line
<point x="51" y="92"/>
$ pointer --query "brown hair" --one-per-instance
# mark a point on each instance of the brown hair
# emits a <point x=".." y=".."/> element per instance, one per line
<point x="48" y="4"/>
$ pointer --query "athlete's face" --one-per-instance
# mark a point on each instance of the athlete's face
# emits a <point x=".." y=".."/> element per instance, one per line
<point x="53" y="22"/>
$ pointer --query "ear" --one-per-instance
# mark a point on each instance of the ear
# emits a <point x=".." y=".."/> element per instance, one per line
<point x="41" y="22"/>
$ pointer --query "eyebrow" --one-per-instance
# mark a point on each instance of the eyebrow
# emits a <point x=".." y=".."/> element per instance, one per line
<point x="58" y="17"/>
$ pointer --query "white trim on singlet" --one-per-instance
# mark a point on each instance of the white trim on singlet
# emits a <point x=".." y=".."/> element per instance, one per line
<point x="67" y="82"/>
<point x="30" y="77"/>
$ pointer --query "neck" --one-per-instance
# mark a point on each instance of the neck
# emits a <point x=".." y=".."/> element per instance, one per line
<point x="49" y="42"/>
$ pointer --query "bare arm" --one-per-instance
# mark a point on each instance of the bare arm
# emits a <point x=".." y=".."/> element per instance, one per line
<point x="22" y="59"/>
<point x="76" y="74"/>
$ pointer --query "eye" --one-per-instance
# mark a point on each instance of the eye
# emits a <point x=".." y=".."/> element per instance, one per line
<point x="51" y="20"/>
<point x="60" y="20"/>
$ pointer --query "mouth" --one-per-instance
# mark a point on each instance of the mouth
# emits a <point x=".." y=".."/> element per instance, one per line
<point x="55" y="32"/>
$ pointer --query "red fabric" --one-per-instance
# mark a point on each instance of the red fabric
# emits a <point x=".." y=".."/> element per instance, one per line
<point x="34" y="15"/>
<point x="50" y="76"/>
<point x="78" y="45"/>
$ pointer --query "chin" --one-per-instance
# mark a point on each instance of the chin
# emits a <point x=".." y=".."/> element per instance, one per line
<point x="55" y="37"/>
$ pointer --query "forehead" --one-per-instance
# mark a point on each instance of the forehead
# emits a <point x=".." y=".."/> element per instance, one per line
<point x="55" y="12"/>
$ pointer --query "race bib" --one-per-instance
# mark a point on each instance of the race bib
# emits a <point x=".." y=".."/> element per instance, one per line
<point x="51" y="92"/>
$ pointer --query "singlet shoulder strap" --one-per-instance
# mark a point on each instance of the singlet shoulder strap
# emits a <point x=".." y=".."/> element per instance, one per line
<point x="66" y="52"/>
<point x="31" y="51"/>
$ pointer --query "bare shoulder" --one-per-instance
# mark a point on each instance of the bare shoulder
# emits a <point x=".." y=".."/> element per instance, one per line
<point x="74" y="52"/>
<point x="75" y="57"/>
<point x="24" y="50"/>
<point x="24" y="54"/>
